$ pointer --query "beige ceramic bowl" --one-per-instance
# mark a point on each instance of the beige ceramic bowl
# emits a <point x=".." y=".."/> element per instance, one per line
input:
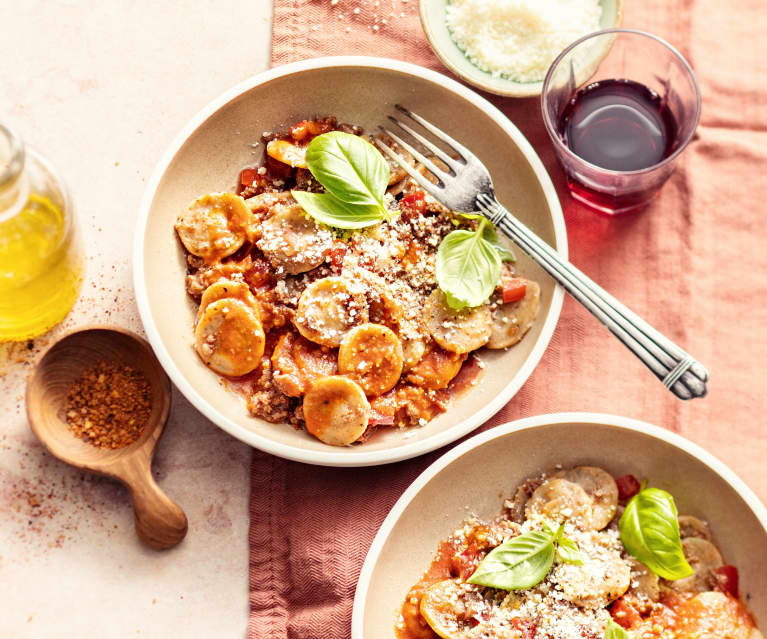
<point x="476" y="476"/>
<point x="207" y="155"/>
<point x="435" y="27"/>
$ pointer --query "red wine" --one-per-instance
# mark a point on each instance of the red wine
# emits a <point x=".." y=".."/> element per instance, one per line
<point x="619" y="125"/>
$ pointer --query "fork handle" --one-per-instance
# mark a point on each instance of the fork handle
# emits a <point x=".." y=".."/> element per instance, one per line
<point x="679" y="372"/>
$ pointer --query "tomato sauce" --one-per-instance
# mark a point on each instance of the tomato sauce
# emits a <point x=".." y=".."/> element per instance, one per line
<point x="687" y="616"/>
<point x="467" y="377"/>
<point x="454" y="558"/>
<point x="413" y="626"/>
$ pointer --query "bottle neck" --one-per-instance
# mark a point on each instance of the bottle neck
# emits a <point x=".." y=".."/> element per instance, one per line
<point x="14" y="184"/>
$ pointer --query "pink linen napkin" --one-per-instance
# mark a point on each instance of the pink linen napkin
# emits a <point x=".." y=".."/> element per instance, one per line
<point x="693" y="264"/>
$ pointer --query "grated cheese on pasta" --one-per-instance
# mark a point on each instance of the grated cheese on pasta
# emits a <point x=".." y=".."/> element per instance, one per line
<point x="519" y="39"/>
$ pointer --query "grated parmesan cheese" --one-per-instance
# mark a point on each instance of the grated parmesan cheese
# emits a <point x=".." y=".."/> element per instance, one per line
<point x="519" y="39"/>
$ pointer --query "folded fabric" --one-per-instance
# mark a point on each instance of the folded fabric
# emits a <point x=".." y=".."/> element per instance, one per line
<point x="690" y="263"/>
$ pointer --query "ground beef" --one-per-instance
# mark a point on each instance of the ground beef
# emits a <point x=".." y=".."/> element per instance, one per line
<point x="350" y="128"/>
<point x="305" y="181"/>
<point x="266" y="402"/>
<point x="199" y="280"/>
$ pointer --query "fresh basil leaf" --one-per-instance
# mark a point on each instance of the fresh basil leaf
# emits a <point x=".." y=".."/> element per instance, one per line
<point x="349" y="167"/>
<point x="568" y="552"/>
<point x="490" y="235"/>
<point x="517" y="564"/>
<point x="615" y="631"/>
<point x="549" y="528"/>
<point x="649" y="529"/>
<point x="327" y="209"/>
<point x="468" y="267"/>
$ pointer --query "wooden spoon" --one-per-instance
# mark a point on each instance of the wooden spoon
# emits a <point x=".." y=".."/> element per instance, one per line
<point x="160" y="523"/>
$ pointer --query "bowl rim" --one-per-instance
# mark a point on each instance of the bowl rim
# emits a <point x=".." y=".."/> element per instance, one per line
<point x="505" y="87"/>
<point x="527" y="423"/>
<point x="333" y="457"/>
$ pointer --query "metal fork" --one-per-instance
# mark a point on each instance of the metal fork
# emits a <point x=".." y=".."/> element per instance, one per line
<point x="466" y="186"/>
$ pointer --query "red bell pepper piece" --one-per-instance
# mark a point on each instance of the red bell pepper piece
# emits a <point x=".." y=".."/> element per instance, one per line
<point x="247" y="177"/>
<point x="413" y="204"/>
<point x="514" y="289"/>
<point x="728" y="580"/>
<point x="628" y="486"/>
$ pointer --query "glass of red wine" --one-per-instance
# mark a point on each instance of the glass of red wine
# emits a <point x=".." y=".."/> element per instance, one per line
<point x="620" y="106"/>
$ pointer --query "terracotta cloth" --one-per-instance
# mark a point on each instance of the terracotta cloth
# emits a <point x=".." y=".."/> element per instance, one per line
<point x="693" y="264"/>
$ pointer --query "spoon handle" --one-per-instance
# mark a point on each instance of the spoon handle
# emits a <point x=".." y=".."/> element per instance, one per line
<point x="160" y="522"/>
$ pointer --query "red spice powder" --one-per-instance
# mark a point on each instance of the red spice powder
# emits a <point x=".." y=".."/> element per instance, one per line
<point x="109" y="405"/>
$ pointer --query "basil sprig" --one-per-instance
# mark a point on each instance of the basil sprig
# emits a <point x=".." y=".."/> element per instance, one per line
<point x="524" y="561"/>
<point x="355" y="176"/>
<point x="327" y="209"/>
<point x="469" y="265"/>
<point x="567" y="551"/>
<point x="614" y="631"/>
<point x="649" y="529"/>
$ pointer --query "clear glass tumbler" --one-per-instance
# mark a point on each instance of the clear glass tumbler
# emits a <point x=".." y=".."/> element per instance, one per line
<point x="623" y="55"/>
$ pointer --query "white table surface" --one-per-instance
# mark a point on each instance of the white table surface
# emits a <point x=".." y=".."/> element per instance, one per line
<point x="100" y="88"/>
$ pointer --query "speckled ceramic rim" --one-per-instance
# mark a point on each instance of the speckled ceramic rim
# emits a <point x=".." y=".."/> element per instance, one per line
<point x="333" y="457"/>
<point x="551" y="128"/>
<point x="624" y="423"/>
<point x="504" y="87"/>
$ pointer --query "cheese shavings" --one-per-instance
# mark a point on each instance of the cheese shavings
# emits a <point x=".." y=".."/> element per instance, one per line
<point x="519" y="39"/>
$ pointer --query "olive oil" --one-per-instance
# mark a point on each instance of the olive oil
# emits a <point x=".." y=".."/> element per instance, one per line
<point x="40" y="260"/>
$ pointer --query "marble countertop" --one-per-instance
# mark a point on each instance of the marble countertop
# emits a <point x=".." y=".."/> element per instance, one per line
<point x="101" y="89"/>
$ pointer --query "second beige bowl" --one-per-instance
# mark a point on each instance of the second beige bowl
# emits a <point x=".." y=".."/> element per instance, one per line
<point x="476" y="476"/>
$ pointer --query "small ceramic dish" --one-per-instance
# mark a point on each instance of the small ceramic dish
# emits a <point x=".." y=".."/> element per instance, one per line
<point x="207" y="156"/>
<point x="435" y="27"/>
<point x="474" y="478"/>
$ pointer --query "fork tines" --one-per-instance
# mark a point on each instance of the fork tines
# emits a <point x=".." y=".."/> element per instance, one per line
<point x="453" y="164"/>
